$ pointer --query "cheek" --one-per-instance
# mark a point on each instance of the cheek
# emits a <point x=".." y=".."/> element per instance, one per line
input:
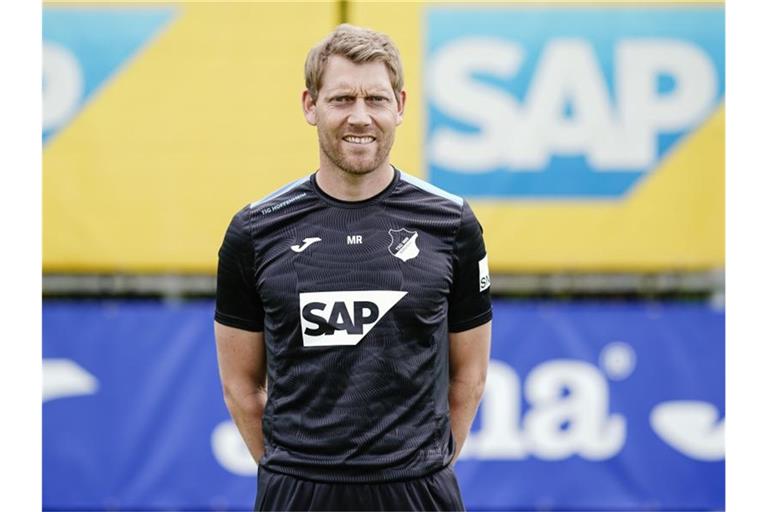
<point x="329" y="124"/>
<point x="392" y="118"/>
<point x="324" y="129"/>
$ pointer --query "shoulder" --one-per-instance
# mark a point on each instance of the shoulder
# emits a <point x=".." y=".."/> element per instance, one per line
<point x="422" y="198"/>
<point x="438" y="207"/>
<point x="419" y="186"/>
<point x="286" y="194"/>
<point x="248" y="218"/>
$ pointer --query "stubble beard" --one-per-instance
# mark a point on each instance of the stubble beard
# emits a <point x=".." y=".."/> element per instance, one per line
<point x="355" y="165"/>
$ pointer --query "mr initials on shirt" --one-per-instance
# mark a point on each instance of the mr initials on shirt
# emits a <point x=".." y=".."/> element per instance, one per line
<point x="354" y="239"/>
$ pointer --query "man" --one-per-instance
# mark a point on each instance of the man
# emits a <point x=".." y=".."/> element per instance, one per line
<point x="360" y="294"/>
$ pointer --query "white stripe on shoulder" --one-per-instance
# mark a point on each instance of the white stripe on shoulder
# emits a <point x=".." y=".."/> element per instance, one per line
<point x="424" y="185"/>
<point x="282" y="190"/>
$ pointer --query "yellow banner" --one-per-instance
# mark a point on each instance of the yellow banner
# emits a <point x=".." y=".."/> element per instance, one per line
<point x="174" y="129"/>
<point x="203" y="118"/>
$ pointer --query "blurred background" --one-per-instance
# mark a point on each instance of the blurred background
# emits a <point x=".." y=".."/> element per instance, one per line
<point x="589" y="140"/>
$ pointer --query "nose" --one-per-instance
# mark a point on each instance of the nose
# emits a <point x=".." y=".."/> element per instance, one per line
<point x="359" y="115"/>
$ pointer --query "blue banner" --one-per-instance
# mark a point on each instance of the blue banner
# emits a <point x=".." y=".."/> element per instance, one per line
<point x="587" y="406"/>
<point x="600" y="406"/>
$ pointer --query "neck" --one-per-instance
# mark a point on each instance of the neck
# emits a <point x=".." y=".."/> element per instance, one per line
<point x="346" y="186"/>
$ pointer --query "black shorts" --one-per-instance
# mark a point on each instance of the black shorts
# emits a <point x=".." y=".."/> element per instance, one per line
<point x="438" y="491"/>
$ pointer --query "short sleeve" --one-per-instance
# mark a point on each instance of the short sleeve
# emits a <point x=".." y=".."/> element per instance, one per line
<point x="469" y="303"/>
<point x="237" y="300"/>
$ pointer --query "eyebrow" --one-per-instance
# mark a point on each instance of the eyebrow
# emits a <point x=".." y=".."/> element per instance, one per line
<point x="345" y="89"/>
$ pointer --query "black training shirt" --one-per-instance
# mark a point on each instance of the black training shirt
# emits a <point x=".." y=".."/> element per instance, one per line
<point x="355" y="300"/>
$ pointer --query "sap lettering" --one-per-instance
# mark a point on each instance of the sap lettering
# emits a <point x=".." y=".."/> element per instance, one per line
<point x="365" y="312"/>
<point x="613" y="135"/>
<point x="556" y="426"/>
<point x="343" y="317"/>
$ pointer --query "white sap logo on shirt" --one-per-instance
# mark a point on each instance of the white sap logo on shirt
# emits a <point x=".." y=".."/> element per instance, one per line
<point x="485" y="275"/>
<point x="342" y="318"/>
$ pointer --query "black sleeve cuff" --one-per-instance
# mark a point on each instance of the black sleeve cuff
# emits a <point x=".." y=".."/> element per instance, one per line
<point x="238" y="323"/>
<point x="471" y="323"/>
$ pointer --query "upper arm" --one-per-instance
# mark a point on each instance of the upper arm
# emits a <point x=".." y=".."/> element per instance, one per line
<point x="470" y="351"/>
<point x="469" y="301"/>
<point x="237" y="300"/>
<point x="242" y="359"/>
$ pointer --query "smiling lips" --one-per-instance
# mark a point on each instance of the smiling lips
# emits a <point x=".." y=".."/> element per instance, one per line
<point x="358" y="140"/>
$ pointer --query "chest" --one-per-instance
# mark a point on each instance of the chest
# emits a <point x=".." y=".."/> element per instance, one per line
<point x="349" y="251"/>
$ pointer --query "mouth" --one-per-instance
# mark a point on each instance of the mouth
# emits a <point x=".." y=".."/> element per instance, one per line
<point x="352" y="139"/>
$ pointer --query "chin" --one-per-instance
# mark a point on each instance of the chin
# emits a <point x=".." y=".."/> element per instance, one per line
<point x="358" y="170"/>
<point x="358" y="167"/>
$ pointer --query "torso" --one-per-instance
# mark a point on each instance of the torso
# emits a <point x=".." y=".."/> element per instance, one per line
<point x="356" y="330"/>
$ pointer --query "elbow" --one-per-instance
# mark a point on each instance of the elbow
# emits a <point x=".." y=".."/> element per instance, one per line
<point x="478" y="388"/>
<point x="469" y="388"/>
<point x="249" y="403"/>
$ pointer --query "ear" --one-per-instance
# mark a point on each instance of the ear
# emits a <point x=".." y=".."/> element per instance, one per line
<point x="400" y="107"/>
<point x="309" y="106"/>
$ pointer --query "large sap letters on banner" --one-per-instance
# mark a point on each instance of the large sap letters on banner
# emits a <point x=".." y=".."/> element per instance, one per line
<point x="587" y="407"/>
<point x="569" y="103"/>
<point x="586" y="138"/>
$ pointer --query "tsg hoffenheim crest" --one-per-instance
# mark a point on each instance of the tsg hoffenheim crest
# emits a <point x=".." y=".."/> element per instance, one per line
<point x="403" y="245"/>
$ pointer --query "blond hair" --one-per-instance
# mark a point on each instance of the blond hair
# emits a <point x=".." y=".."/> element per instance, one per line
<point x="358" y="45"/>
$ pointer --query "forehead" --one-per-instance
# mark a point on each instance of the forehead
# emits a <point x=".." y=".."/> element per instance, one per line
<point x="342" y="73"/>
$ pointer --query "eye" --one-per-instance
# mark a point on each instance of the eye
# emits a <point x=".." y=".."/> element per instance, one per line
<point x="341" y="99"/>
<point x="377" y="99"/>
